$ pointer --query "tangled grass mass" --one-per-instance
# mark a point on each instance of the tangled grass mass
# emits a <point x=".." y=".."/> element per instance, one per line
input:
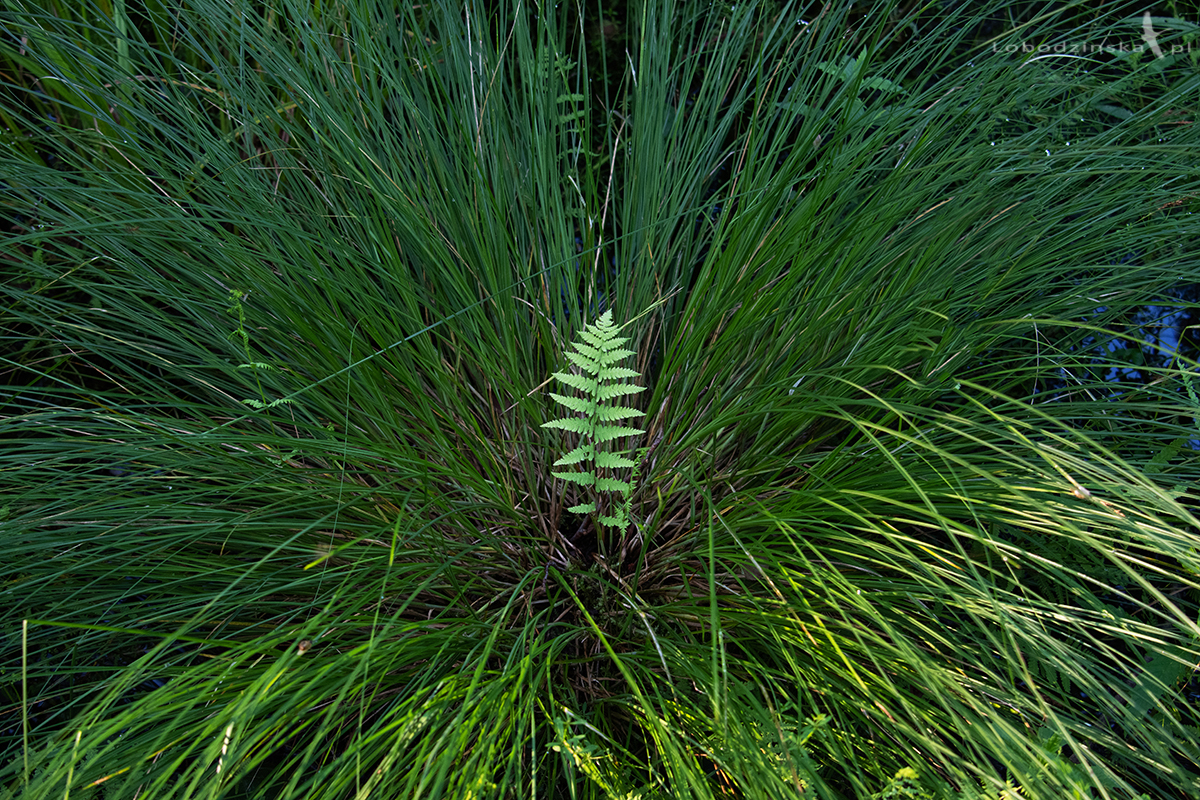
<point x="290" y="509"/>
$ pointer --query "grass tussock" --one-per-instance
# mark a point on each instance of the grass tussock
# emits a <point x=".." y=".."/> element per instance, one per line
<point x="283" y="292"/>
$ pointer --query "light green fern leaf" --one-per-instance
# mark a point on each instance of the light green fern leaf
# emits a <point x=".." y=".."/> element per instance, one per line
<point x="582" y="453"/>
<point x="574" y="425"/>
<point x="607" y="414"/>
<point x="604" y="433"/>
<point x="612" y="485"/>
<point x="601" y="383"/>
<point x="582" y="478"/>
<point x="612" y="461"/>
<point x="586" y="385"/>
<point x="574" y="403"/>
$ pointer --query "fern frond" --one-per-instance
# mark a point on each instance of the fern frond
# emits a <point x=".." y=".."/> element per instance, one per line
<point x="597" y="355"/>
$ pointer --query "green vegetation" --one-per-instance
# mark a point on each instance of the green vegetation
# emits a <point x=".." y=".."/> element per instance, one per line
<point x="600" y="383"/>
<point x="281" y="291"/>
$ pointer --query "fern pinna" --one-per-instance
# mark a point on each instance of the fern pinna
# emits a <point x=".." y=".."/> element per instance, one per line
<point x="600" y="384"/>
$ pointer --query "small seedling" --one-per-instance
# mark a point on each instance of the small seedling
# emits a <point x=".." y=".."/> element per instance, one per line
<point x="236" y="296"/>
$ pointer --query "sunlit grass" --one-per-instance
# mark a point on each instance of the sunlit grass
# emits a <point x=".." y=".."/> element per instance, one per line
<point x="284" y="296"/>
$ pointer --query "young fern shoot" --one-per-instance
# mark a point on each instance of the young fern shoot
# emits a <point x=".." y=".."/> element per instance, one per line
<point x="600" y="384"/>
